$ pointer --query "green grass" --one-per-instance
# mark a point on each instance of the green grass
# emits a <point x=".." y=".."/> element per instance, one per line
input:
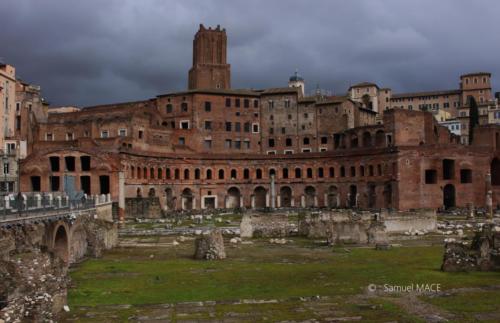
<point x="262" y="271"/>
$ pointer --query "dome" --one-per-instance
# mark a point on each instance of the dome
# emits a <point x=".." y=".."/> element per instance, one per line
<point x="296" y="77"/>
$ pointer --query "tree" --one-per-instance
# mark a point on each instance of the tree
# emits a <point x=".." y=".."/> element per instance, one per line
<point x="473" y="117"/>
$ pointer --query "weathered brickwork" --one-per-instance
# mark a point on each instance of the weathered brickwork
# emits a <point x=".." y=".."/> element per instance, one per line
<point x="216" y="147"/>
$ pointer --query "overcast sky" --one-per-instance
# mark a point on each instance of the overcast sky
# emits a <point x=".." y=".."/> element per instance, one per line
<point x="104" y="51"/>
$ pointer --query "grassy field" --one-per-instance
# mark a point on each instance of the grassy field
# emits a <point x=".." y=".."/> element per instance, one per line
<point x="145" y="276"/>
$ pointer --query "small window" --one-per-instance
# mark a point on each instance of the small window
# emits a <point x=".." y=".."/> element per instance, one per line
<point x="448" y="169"/>
<point x="246" y="127"/>
<point x="246" y="103"/>
<point x="430" y="176"/>
<point x="184" y="107"/>
<point x="228" y="144"/>
<point x="207" y="144"/>
<point x="182" y="141"/>
<point x="271" y="142"/>
<point x="69" y="136"/>
<point x="208" y="106"/>
<point x="258" y="173"/>
<point x="141" y="134"/>
<point x="208" y="125"/>
<point x="54" y="163"/>
<point x="255" y="128"/>
<point x="255" y="103"/>
<point x="246" y="173"/>
<point x="228" y="126"/>
<point x="184" y="125"/>
<point x="228" y="102"/>
<point x="122" y="132"/>
<point x="237" y="103"/>
<point x="324" y="140"/>
<point x="70" y="163"/>
<point x="85" y="163"/>
<point x="49" y="136"/>
<point x="169" y="108"/>
<point x="306" y="141"/>
<point x="465" y="176"/>
<point x="288" y="142"/>
<point x="237" y="127"/>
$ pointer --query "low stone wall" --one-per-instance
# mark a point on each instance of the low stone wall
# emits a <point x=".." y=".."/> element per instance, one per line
<point x="264" y="226"/>
<point x="143" y="207"/>
<point x="343" y="226"/>
<point x="397" y="222"/>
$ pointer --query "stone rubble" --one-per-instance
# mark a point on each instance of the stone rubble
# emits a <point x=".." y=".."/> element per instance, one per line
<point x="210" y="246"/>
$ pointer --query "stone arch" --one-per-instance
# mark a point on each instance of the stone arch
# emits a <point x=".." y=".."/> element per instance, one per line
<point x="187" y="199"/>
<point x="367" y="139"/>
<point x="285" y="196"/>
<point x="234" y="174"/>
<point x="139" y="192"/>
<point x="61" y="242"/>
<point x="333" y="197"/>
<point x="152" y="192"/>
<point x="310" y="196"/>
<point x="449" y="196"/>
<point x="233" y="198"/>
<point x="260" y="197"/>
<point x="495" y="172"/>
<point x="79" y="244"/>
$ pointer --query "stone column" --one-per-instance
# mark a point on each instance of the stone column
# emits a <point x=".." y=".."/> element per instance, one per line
<point x="315" y="201"/>
<point x="194" y="203"/>
<point x="267" y="199"/>
<point x="278" y="200"/>
<point x="489" y="197"/>
<point x="273" y="193"/>
<point x="241" y="201"/>
<point x="302" y="201"/>
<point x="325" y="200"/>
<point x="252" y="201"/>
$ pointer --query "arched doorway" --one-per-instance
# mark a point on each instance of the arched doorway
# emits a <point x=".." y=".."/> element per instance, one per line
<point x="61" y="243"/>
<point x="353" y="191"/>
<point x="388" y="195"/>
<point x="187" y="199"/>
<point x="372" y="195"/>
<point x="367" y="139"/>
<point x="152" y="192"/>
<point x="310" y="194"/>
<point x="285" y="196"/>
<point x="333" y="197"/>
<point x="449" y="196"/>
<point x="260" y="197"/>
<point x="233" y="198"/>
<point x="495" y="171"/>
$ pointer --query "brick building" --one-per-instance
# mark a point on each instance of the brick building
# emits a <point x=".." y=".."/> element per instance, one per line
<point x="216" y="147"/>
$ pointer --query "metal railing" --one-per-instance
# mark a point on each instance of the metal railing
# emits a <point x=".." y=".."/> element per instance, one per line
<point x="32" y="203"/>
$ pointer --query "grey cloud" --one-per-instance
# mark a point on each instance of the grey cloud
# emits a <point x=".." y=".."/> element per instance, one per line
<point x="95" y="52"/>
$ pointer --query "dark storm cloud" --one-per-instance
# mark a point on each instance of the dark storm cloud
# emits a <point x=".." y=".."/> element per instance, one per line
<point x="94" y="51"/>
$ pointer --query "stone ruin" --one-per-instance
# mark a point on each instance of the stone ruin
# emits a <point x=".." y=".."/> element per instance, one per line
<point x="483" y="254"/>
<point x="345" y="226"/>
<point x="265" y="226"/>
<point x="210" y="246"/>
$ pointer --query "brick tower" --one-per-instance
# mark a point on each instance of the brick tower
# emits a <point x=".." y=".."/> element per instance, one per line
<point x="210" y="69"/>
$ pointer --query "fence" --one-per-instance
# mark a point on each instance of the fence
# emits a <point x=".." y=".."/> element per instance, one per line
<point x="24" y="204"/>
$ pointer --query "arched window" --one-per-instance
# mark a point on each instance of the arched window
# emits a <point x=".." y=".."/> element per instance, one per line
<point x="145" y="173"/>
<point x="209" y="174"/>
<point x="132" y="172"/>
<point x="168" y="175"/>
<point x="342" y="171"/>
<point x="309" y="173"/>
<point x="152" y="173"/>
<point x="272" y="172"/>
<point x="370" y="170"/>
<point x="246" y="173"/>
<point x="298" y="172"/>
<point x="353" y="171"/>
<point x="285" y="172"/>
<point x="331" y="172"/>
<point x="361" y="170"/>
<point x="234" y="174"/>
<point x="258" y="173"/>
<point x="320" y="172"/>
<point x="197" y="173"/>
<point x="177" y="173"/>
<point x="160" y="173"/>
<point x="221" y="174"/>
<point x="186" y="174"/>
